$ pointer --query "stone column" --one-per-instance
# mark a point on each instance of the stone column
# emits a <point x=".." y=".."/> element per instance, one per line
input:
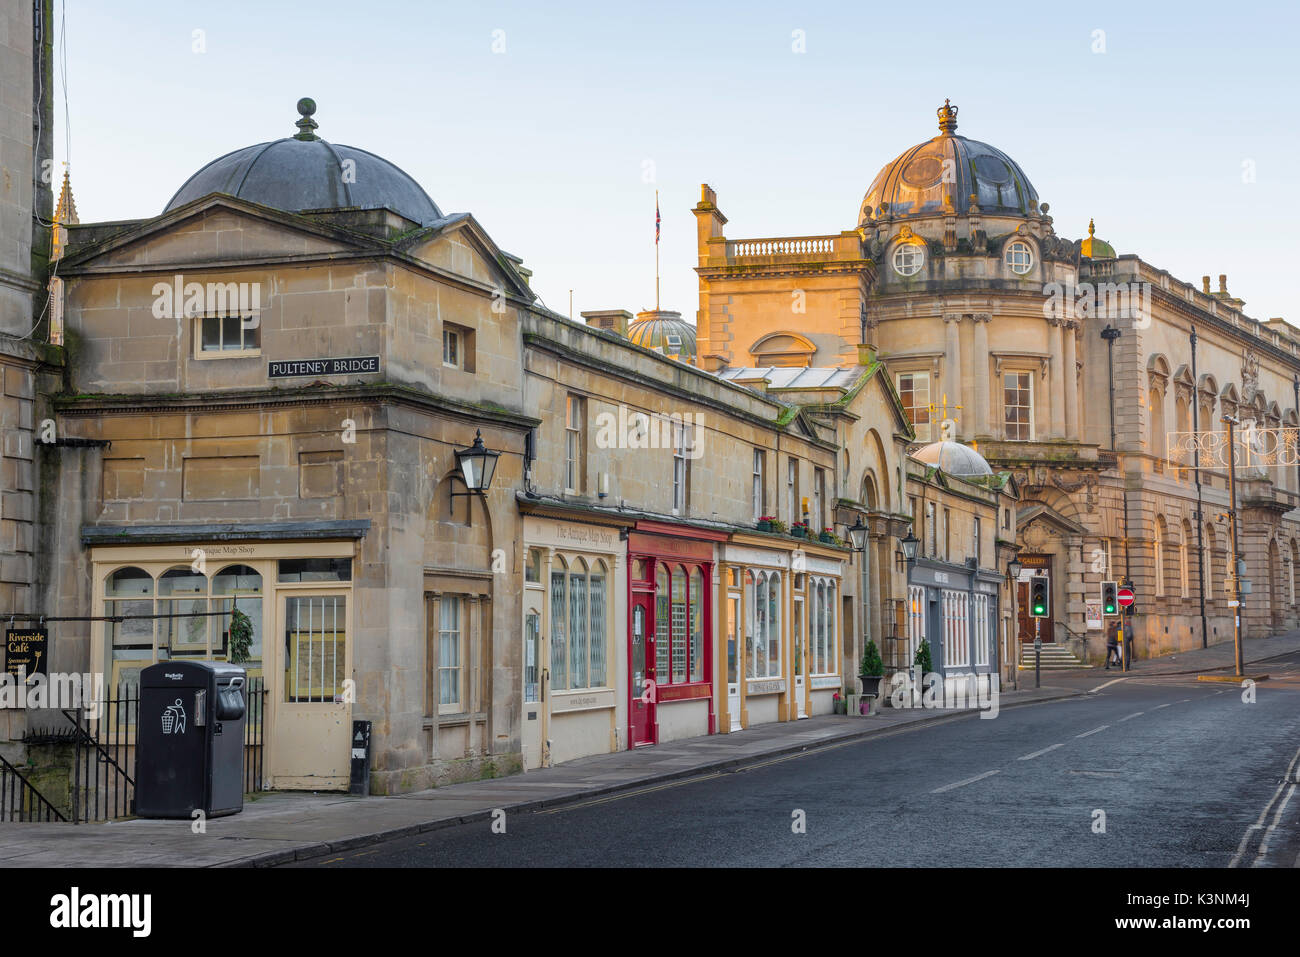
<point x="951" y="369"/>
<point x="1058" y="379"/>
<point x="1071" y="370"/>
<point x="980" y="421"/>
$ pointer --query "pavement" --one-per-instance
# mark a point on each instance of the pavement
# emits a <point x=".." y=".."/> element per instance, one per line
<point x="280" y="827"/>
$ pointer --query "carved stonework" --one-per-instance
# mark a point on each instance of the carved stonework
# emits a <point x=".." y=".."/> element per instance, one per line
<point x="1249" y="376"/>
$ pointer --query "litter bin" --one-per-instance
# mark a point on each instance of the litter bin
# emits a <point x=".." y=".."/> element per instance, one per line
<point x="189" y="751"/>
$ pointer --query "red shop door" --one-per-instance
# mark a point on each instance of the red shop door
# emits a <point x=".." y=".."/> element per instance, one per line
<point x="641" y="707"/>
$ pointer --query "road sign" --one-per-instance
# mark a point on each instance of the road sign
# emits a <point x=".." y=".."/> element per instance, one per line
<point x="1126" y="597"/>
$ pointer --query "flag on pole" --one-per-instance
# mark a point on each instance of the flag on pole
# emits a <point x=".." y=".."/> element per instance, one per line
<point x="656" y="218"/>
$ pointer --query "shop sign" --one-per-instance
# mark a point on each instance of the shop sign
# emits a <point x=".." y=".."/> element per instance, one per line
<point x="774" y="686"/>
<point x="682" y="693"/>
<point x="27" y="650"/>
<point x="289" y="368"/>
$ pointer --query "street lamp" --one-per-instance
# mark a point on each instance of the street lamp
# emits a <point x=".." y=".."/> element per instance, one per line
<point x="1013" y="569"/>
<point x="858" y="535"/>
<point x="477" y="464"/>
<point x="909" y="546"/>
<point x="1013" y="572"/>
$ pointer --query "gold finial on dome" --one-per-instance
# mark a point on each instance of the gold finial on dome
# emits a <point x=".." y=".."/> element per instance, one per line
<point x="1091" y="228"/>
<point x="947" y="117"/>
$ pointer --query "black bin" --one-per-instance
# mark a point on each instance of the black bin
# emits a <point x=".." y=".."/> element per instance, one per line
<point x="190" y="740"/>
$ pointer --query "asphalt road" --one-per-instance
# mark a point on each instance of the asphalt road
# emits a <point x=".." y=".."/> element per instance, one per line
<point x="1185" y="773"/>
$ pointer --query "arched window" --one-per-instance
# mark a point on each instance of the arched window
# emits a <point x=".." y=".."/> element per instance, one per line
<point x="579" y="624"/>
<point x="238" y="586"/>
<point x="1160" y="557"/>
<point x="763" y="598"/>
<point x="679" y="624"/>
<point x="180" y="592"/>
<point x="663" y="629"/>
<point x="559" y="620"/>
<point x="697" y="625"/>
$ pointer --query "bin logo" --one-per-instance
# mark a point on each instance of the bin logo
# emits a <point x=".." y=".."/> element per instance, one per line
<point x="173" y="719"/>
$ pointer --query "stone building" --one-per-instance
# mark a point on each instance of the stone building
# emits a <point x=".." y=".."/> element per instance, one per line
<point x="955" y="274"/>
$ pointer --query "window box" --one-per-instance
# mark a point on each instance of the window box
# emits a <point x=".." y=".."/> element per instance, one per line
<point x="799" y="530"/>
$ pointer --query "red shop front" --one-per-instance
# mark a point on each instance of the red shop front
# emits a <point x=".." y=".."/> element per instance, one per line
<point x="670" y="632"/>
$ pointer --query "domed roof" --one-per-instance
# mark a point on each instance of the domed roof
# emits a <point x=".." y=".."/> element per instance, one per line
<point x="953" y="458"/>
<point x="665" y="331"/>
<point x="913" y="184"/>
<point x="1095" y="248"/>
<point x="304" y="172"/>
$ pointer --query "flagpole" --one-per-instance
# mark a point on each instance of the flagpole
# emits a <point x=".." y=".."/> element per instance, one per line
<point x="656" y="250"/>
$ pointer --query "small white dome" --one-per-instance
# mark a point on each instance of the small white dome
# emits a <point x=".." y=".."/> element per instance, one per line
<point x="953" y="458"/>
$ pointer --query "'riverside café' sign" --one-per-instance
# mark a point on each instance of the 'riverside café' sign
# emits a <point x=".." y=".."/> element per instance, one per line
<point x="290" y="368"/>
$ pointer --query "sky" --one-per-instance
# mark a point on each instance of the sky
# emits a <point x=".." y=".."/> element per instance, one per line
<point x="1172" y="125"/>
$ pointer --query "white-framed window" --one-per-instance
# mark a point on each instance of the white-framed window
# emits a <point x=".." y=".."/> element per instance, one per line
<point x="792" y="490"/>
<point x="1183" y="584"/>
<point x="573" y="443"/>
<point x="977" y="546"/>
<point x="758" y="484"/>
<point x="909" y="258"/>
<point x="185" y="597"/>
<point x="225" y="337"/>
<point x="679" y="467"/>
<point x="956" y="629"/>
<point x="452" y="622"/>
<point x="451" y="348"/>
<point x="579" y="624"/>
<point x="819" y="496"/>
<point x="915" y="620"/>
<point x="1019" y="257"/>
<point x="763" y="624"/>
<point x="914" y="392"/>
<point x="931" y="531"/>
<point x="822" y="594"/>
<point x="1160" y="562"/>
<point x="947" y="535"/>
<point x="983" y="629"/>
<point x="1018" y="405"/>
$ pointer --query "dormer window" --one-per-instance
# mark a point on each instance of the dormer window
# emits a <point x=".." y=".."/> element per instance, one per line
<point x="1019" y="257"/>
<point x="908" y="259"/>
<point x="674" y="344"/>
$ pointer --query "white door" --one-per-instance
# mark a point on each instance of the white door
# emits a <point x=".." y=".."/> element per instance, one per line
<point x="733" y="660"/>
<point x="311" y="713"/>
<point x="534" y="723"/>
<point x="800" y="660"/>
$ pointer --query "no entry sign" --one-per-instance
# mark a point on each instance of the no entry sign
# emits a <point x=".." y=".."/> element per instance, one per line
<point x="1125" y="596"/>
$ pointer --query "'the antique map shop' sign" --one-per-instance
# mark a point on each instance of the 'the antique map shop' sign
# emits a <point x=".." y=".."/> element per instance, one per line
<point x="27" y="650"/>
<point x="289" y="368"/>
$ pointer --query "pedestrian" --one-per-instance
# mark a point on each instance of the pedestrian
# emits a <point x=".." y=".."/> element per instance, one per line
<point x="1112" y="643"/>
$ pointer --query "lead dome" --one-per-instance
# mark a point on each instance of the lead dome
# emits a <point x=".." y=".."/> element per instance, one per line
<point x="304" y="172"/>
<point x="914" y="183"/>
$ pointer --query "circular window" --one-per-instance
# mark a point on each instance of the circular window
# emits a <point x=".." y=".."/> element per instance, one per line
<point x="1020" y="257"/>
<point x="908" y="259"/>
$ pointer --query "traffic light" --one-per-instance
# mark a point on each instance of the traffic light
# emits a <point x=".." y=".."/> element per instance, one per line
<point x="1040" y="604"/>
<point x="1109" y="599"/>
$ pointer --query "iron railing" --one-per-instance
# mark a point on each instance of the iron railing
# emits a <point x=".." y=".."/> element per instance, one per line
<point x="20" y="801"/>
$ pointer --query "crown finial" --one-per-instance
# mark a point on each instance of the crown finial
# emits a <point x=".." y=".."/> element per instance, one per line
<point x="947" y="117"/>
<point x="306" y="125"/>
<point x="1091" y="228"/>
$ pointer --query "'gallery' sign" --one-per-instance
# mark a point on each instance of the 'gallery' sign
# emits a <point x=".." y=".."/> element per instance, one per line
<point x="290" y="368"/>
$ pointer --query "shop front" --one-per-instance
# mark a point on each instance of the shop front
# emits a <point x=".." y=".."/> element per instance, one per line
<point x="956" y="608"/>
<point x="574" y="595"/>
<point x="176" y="602"/>
<point x="781" y="630"/>
<point x="670" y="658"/>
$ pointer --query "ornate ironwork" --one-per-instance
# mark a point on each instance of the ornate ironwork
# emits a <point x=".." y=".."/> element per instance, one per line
<point x="1256" y="448"/>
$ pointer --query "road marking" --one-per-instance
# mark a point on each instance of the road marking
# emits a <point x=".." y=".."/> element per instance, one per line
<point x="1106" y="685"/>
<point x="1259" y="825"/>
<point x="1268" y="831"/>
<point x="1093" y="731"/>
<point x="962" y="784"/>
<point x="1133" y="715"/>
<point x="1038" y="754"/>
<point x="1159" y="706"/>
<point x="628" y="794"/>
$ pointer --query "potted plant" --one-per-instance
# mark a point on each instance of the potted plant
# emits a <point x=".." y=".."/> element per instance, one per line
<point x="838" y="704"/>
<point x="922" y="662"/>
<point x="872" y="670"/>
<point x="241" y="637"/>
<point x="778" y="526"/>
<point x="765" y="523"/>
<point x="799" y="529"/>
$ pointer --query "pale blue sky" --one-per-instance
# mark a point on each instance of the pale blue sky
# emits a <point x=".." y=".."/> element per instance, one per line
<point x="546" y="143"/>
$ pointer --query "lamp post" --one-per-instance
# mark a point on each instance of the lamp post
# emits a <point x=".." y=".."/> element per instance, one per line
<point x="1200" y="518"/>
<point x="1013" y="572"/>
<point x="909" y="546"/>
<point x="1231" y="421"/>
<point x="1110" y="334"/>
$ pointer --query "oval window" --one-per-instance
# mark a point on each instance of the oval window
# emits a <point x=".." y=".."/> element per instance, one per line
<point x="908" y="259"/>
<point x="1020" y="258"/>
